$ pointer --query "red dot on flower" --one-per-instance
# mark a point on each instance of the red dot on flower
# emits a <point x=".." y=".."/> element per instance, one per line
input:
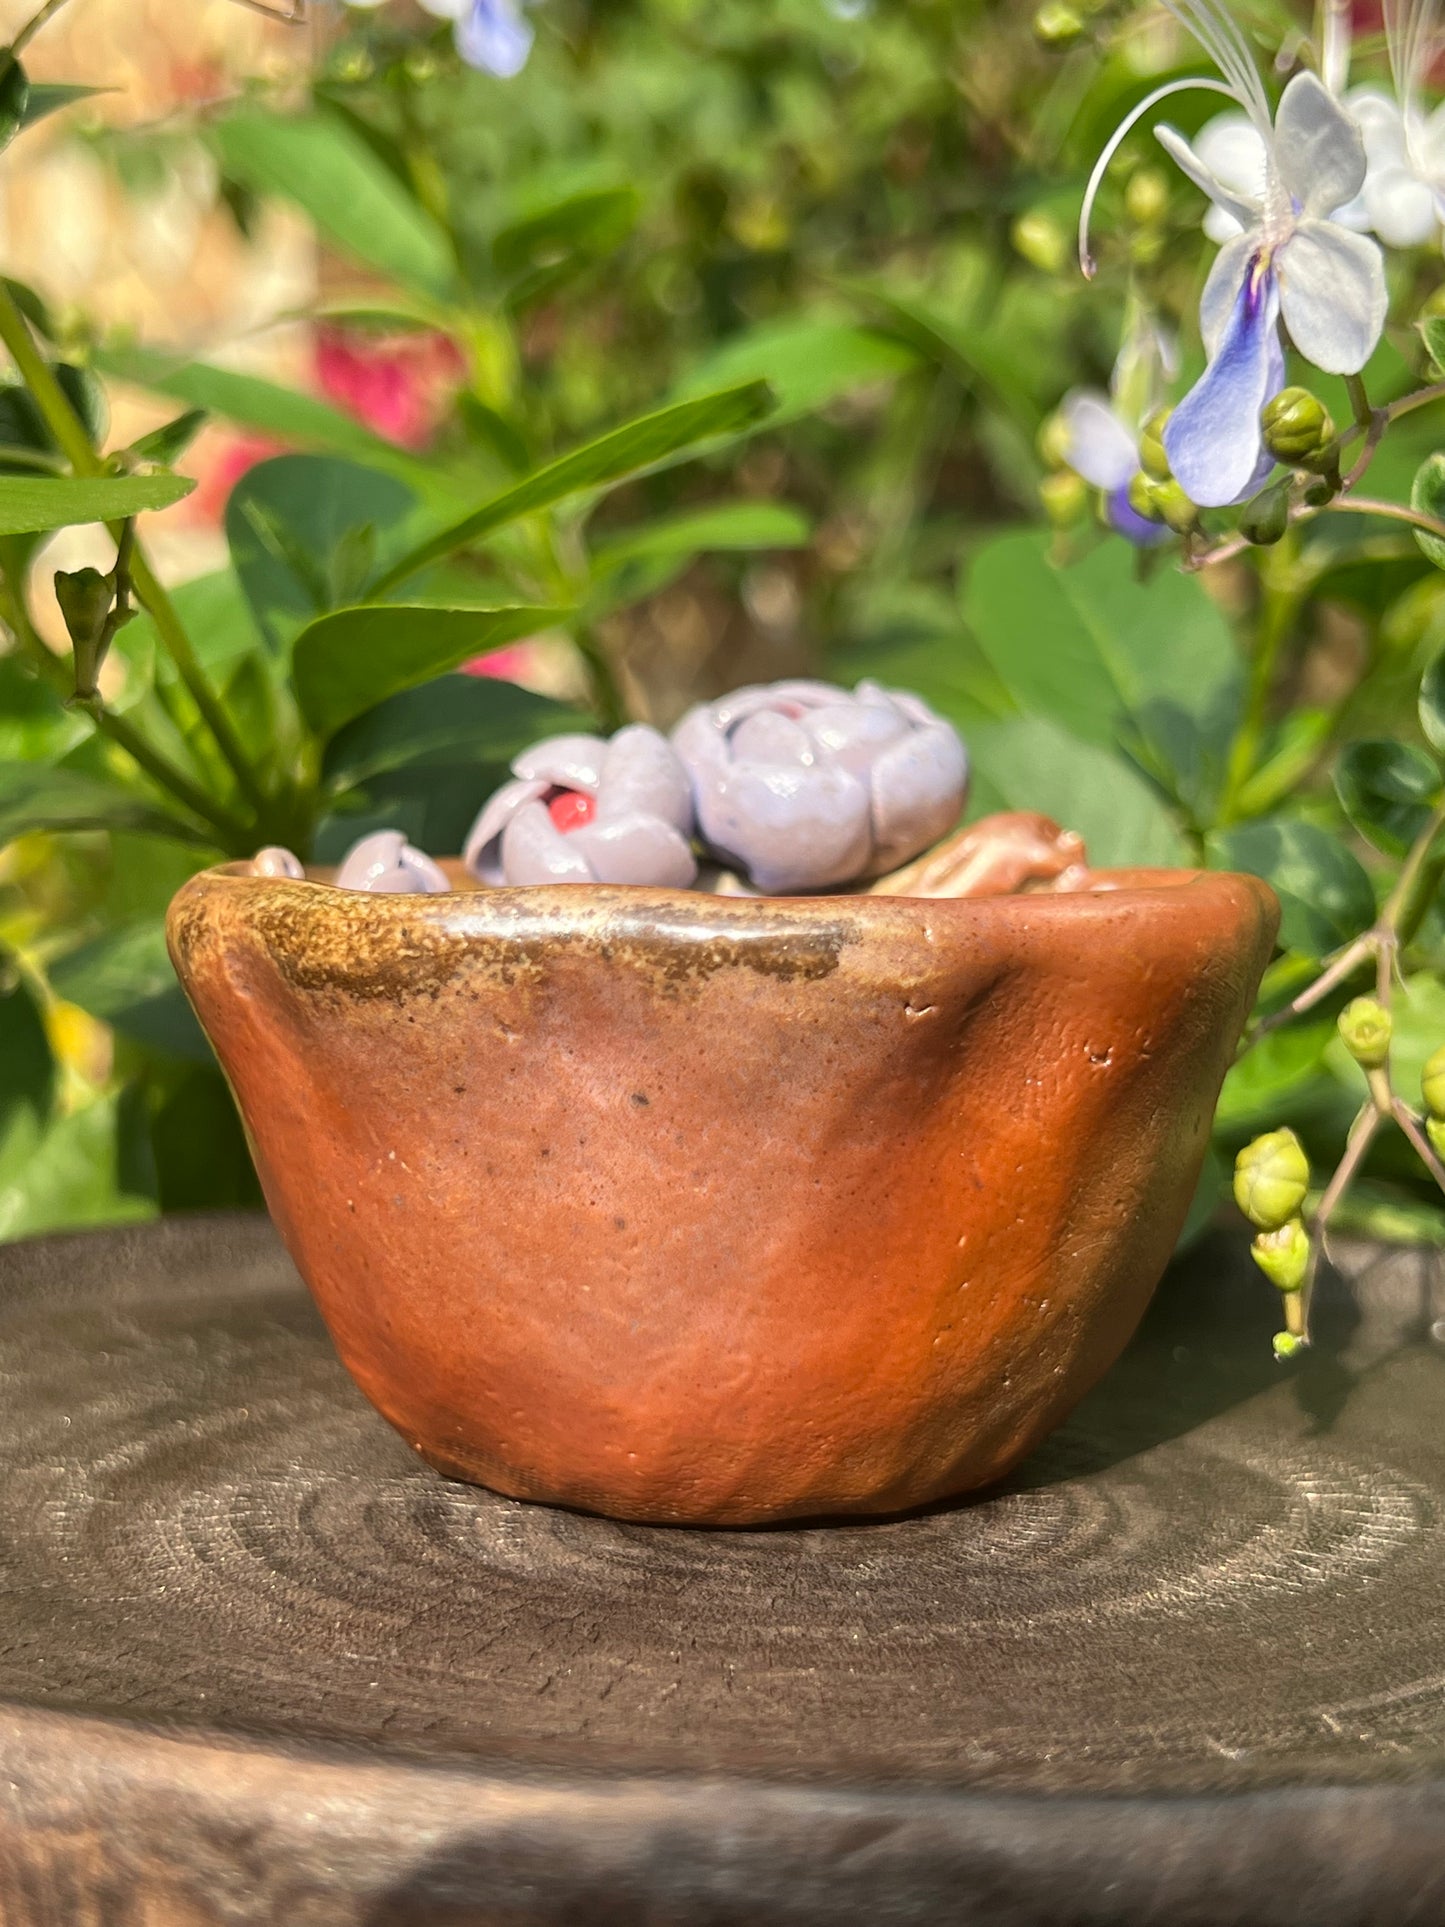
<point x="570" y="809"/>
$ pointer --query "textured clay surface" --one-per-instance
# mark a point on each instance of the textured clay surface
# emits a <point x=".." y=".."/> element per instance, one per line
<point x="258" y="1665"/>
<point x="692" y="1210"/>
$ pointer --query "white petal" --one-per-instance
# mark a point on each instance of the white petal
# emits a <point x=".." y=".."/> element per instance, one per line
<point x="1101" y="449"/>
<point x="918" y="787"/>
<point x="1401" y="207"/>
<point x="1332" y="295"/>
<point x="1220" y="227"/>
<point x="767" y="737"/>
<point x="535" y="851"/>
<point x="1233" y="150"/>
<point x="642" y="771"/>
<point x="446" y="9"/>
<point x="1174" y="144"/>
<point x="1381" y="126"/>
<point x="572" y="762"/>
<point x="1318" y="149"/>
<point x="791" y="829"/>
<point x="1221" y="290"/>
<point x="482" y="850"/>
<point x="855" y="733"/>
<point x="639" y="848"/>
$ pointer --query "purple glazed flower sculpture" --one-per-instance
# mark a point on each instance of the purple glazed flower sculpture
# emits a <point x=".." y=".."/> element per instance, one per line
<point x="803" y="785"/>
<point x="386" y="863"/>
<point x="581" y="809"/>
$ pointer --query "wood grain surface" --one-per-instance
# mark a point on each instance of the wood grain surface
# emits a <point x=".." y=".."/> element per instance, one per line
<point x="258" y="1663"/>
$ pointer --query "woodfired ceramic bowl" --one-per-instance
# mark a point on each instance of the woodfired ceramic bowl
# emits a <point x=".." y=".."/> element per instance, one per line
<point x="698" y="1209"/>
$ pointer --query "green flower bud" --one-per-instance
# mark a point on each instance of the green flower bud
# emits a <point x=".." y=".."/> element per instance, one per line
<point x="1146" y="198"/>
<point x="1432" y="1083"/>
<point x="1065" y="496"/>
<point x="1297" y="426"/>
<point x="1265" y="517"/>
<point x="1057" y="25"/>
<point x="1366" y="1027"/>
<point x="85" y="596"/>
<point x="1283" y="1255"/>
<point x="1041" y="241"/>
<point x="1152" y="459"/>
<point x="1054" y="442"/>
<point x="1288" y="1344"/>
<point x="1271" y="1176"/>
<point x="1435" y="1131"/>
<point x="1162" y="502"/>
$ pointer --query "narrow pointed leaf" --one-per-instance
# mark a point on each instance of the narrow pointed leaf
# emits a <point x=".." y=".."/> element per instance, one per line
<point x="31" y="503"/>
<point x="330" y="173"/>
<point x="37" y="798"/>
<point x="637" y="445"/>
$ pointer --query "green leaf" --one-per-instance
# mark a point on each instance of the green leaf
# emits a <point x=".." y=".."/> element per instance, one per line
<point x="35" y="726"/>
<point x="1432" y="333"/>
<point x="304" y="531"/>
<point x="27" y="1069"/>
<point x="49" y="96"/>
<point x="31" y="503"/>
<point x="1271" y="1076"/>
<point x="1324" y="893"/>
<point x="33" y="797"/>
<point x="595" y="221"/>
<point x="1111" y="659"/>
<point x="265" y="406"/>
<point x="1029" y="763"/>
<point x="807" y="364"/>
<point x="1427" y="497"/>
<point x="167" y="443"/>
<point x="73" y="1176"/>
<point x="647" y="442"/>
<point x="1432" y="703"/>
<point x="721" y="525"/>
<point x="125" y="978"/>
<point x="450" y="719"/>
<point x="348" y="662"/>
<point x="14" y="97"/>
<point x="1388" y="790"/>
<point x="972" y="355"/>
<point x="317" y="161"/>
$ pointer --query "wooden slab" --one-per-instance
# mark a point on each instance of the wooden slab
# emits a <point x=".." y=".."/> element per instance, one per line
<point x="258" y="1663"/>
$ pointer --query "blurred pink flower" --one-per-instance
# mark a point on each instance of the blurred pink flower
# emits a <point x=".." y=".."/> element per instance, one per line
<point x="218" y="461"/>
<point x="505" y="665"/>
<point x="399" y="385"/>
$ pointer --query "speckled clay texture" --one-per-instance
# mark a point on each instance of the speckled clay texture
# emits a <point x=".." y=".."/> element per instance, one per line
<point x="691" y="1209"/>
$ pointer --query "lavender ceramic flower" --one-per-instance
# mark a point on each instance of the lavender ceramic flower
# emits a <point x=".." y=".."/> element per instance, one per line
<point x="581" y="809"/>
<point x="387" y="864"/>
<point x="804" y="786"/>
<point x="274" y="861"/>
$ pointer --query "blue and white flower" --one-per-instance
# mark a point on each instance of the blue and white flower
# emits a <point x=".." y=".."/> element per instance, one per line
<point x="492" y="35"/>
<point x="1290" y="261"/>
<point x="1101" y="431"/>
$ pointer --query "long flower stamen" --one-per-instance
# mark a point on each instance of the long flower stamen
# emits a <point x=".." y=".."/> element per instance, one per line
<point x="1226" y="46"/>
<point x="1116" y="140"/>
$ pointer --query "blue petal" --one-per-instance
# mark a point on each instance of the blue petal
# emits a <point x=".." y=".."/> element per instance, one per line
<point x="1126" y="520"/>
<point x="494" y="36"/>
<point x="1213" y="437"/>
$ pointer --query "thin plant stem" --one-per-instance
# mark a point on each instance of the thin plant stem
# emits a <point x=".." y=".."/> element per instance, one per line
<point x="234" y="834"/>
<point x="1362" y="1135"/>
<point x="1282" y="602"/>
<point x="1421" y="398"/>
<point x="1394" y="511"/>
<point x="33" y="25"/>
<point x="69" y="432"/>
<point x="1424" y="1149"/>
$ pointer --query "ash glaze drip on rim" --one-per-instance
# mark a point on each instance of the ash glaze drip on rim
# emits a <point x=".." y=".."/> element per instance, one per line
<point x="677" y="939"/>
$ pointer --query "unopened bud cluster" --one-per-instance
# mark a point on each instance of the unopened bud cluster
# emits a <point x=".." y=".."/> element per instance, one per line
<point x="1271" y="1178"/>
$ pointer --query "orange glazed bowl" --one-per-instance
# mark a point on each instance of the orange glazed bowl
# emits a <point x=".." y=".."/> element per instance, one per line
<point x="708" y="1210"/>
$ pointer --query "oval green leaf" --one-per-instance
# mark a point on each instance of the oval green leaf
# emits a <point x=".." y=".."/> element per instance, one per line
<point x="29" y="504"/>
